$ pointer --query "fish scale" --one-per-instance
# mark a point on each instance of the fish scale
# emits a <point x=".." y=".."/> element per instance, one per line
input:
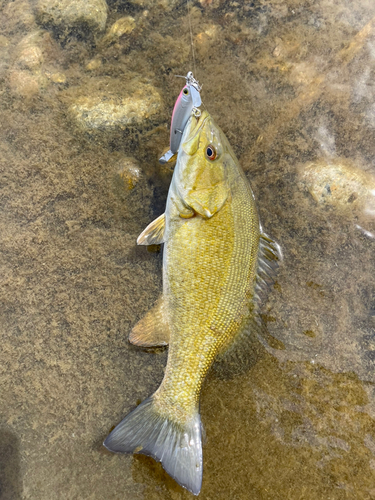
<point x="190" y="291"/>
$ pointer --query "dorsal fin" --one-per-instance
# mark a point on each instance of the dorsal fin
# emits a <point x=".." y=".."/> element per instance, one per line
<point x="154" y="232"/>
<point x="152" y="329"/>
<point x="269" y="256"/>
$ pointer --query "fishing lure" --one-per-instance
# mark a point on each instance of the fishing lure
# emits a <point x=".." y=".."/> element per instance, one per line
<point x="187" y="103"/>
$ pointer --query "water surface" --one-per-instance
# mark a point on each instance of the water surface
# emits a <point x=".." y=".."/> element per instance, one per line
<point x="291" y="84"/>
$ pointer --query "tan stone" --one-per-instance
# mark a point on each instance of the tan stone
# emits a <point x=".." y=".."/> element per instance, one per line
<point x="109" y="110"/>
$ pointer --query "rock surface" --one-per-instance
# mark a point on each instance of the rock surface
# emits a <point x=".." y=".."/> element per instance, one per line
<point x="128" y="173"/>
<point x="339" y="183"/>
<point x="69" y="14"/>
<point x="123" y="26"/>
<point x="101" y="108"/>
<point x="26" y="76"/>
<point x="18" y="15"/>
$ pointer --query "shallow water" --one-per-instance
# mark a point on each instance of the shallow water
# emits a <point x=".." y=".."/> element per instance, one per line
<point x="291" y="84"/>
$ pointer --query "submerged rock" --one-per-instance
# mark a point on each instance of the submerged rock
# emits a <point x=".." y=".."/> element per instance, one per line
<point x="124" y="106"/>
<point x="26" y="74"/>
<point x="23" y="83"/>
<point x="94" y="64"/>
<point x="123" y="26"/>
<point x="159" y="4"/>
<point x="128" y="173"/>
<point x="205" y="39"/>
<point x="57" y="77"/>
<point x="339" y="183"/>
<point x="28" y="53"/>
<point x="129" y="183"/>
<point x="73" y="14"/>
<point x="18" y="15"/>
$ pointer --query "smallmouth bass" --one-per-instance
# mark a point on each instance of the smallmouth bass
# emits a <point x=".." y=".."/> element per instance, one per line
<point x="216" y="264"/>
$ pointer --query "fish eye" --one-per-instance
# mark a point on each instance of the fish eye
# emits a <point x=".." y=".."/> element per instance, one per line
<point x="186" y="91"/>
<point x="211" y="152"/>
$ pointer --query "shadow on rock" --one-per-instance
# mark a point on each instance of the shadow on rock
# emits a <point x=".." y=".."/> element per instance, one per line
<point x="10" y="478"/>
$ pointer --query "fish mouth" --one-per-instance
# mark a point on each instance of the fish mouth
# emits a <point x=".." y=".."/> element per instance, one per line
<point x="195" y="125"/>
<point x="190" y="138"/>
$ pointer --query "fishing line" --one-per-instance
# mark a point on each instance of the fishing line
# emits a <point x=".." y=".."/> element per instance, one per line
<point x="192" y="46"/>
<point x="191" y="37"/>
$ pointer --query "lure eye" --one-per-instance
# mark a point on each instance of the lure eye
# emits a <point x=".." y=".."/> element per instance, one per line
<point x="211" y="152"/>
<point x="186" y="91"/>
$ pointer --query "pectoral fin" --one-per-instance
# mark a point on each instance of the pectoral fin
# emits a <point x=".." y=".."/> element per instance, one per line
<point x="154" y="232"/>
<point x="152" y="329"/>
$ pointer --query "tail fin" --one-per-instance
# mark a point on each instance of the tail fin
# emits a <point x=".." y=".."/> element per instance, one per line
<point x="178" y="448"/>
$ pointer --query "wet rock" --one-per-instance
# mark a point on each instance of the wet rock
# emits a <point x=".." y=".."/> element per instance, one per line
<point x="18" y="15"/>
<point x="129" y="181"/>
<point x="109" y="105"/>
<point x="204" y="40"/>
<point x="26" y="76"/>
<point x="160" y="4"/>
<point x="128" y="173"/>
<point x="23" y="83"/>
<point x="66" y="15"/>
<point x="214" y="4"/>
<point x="4" y="55"/>
<point x="94" y="64"/>
<point x="30" y="58"/>
<point x="57" y="77"/>
<point x="4" y="42"/>
<point x="29" y="52"/>
<point x="339" y="183"/>
<point x="123" y="26"/>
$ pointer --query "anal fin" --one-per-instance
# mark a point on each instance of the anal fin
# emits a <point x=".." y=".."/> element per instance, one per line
<point x="242" y="353"/>
<point x="152" y="329"/>
<point x="154" y="232"/>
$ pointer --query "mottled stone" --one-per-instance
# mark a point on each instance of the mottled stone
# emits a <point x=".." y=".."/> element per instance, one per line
<point x="204" y="40"/>
<point x="26" y="76"/>
<point x="4" y="42"/>
<point x="30" y="58"/>
<point x="57" y="77"/>
<point x="18" y="15"/>
<point x="128" y="173"/>
<point x="122" y="26"/>
<point x="23" y="83"/>
<point x="161" y="4"/>
<point x="94" y="64"/>
<point x="28" y="53"/>
<point x="68" y="14"/>
<point x="339" y="183"/>
<point x="106" y="109"/>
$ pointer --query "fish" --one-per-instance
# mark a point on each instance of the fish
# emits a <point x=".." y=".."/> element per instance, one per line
<point x="188" y="100"/>
<point x="217" y="266"/>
